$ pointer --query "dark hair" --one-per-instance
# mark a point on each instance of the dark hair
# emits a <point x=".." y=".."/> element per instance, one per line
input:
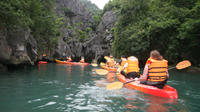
<point x="123" y="56"/>
<point x="155" y="55"/>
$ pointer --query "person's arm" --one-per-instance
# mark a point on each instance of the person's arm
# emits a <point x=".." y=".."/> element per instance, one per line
<point x="167" y="74"/>
<point x="145" y="72"/>
<point x="124" y="67"/>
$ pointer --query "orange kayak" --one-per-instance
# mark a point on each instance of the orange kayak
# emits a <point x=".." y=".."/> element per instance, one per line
<point x="103" y="65"/>
<point x="62" y="62"/>
<point x="42" y="62"/>
<point x="73" y="63"/>
<point x="167" y="91"/>
<point x="78" y="63"/>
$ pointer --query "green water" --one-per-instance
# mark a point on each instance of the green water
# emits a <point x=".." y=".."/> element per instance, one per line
<point x="64" y="88"/>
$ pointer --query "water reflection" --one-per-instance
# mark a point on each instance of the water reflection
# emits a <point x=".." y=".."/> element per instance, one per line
<point x="42" y="67"/>
<point x="159" y="104"/>
<point x="150" y="103"/>
<point x="69" y="69"/>
<point x="82" y="69"/>
<point x="110" y="77"/>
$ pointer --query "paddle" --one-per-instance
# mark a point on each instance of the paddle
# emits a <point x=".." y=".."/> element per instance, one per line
<point x="94" y="64"/>
<point x="119" y="85"/>
<point x="106" y="57"/>
<point x="102" y="64"/>
<point x="182" y="65"/>
<point x="101" y="71"/>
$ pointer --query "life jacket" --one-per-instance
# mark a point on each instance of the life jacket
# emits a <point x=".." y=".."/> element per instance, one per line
<point x="82" y="60"/>
<point x="157" y="70"/>
<point x="69" y="59"/>
<point x="124" y="61"/>
<point x="111" y="63"/>
<point x="132" y="64"/>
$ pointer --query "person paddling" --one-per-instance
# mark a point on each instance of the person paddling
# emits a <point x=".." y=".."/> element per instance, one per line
<point x="111" y="62"/>
<point x="155" y="72"/>
<point x="82" y="60"/>
<point x="132" y="68"/>
<point x="69" y="59"/>
<point x="123" y="61"/>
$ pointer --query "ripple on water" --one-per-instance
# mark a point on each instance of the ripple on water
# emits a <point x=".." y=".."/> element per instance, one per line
<point x="47" y="104"/>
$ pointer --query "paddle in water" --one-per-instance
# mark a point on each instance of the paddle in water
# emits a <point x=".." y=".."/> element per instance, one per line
<point x="94" y="64"/>
<point x="101" y="71"/>
<point x="119" y="85"/>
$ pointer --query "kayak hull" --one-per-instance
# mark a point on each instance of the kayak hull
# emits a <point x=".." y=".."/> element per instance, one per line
<point x="62" y="62"/>
<point x="167" y="91"/>
<point x="72" y="63"/>
<point x="42" y="62"/>
<point x="107" y="68"/>
<point x="78" y="63"/>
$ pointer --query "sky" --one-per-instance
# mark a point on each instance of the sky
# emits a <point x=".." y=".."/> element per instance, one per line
<point x="100" y="3"/>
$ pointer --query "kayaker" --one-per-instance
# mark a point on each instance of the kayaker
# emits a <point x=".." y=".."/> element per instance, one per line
<point x="69" y="59"/>
<point x="123" y="61"/>
<point x="82" y="60"/>
<point x="155" y="72"/>
<point x="132" y="68"/>
<point x="111" y="62"/>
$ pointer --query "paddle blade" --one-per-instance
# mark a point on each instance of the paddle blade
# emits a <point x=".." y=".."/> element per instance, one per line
<point x="183" y="64"/>
<point x="94" y="64"/>
<point x="101" y="71"/>
<point x="114" y="85"/>
<point x="106" y="57"/>
<point x="102" y="64"/>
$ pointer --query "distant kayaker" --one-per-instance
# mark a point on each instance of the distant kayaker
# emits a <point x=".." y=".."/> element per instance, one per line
<point x="123" y="61"/>
<point x="111" y="62"/>
<point x="69" y="59"/>
<point x="132" y="68"/>
<point x="82" y="60"/>
<point x="155" y="72"/>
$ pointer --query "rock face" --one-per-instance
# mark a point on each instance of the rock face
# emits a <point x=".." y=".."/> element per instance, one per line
<point x="80" y="37"/>
<point x="100" y="44"/>
<point x="76" y="20"/>
<point x="17" y="46"/>
<point x="77" y="17"/>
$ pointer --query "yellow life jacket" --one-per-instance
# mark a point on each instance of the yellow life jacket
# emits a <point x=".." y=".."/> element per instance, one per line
<point x="133" y="64"/>
<point x="157" y="70"/>
<point x="69" y="59"/>
<point x="82" y="60"/>
<point x="111" y="63"/>
<point x="124" y="61"/>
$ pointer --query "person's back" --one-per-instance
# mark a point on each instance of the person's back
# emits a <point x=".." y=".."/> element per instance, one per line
<point x="132" y="68"/>
<point x="82" y="60"/>
<point x="110" y="62"/>
<point x="133" y="64"/>
<point x="69" y="59"/>
<point x="155" y="71"/>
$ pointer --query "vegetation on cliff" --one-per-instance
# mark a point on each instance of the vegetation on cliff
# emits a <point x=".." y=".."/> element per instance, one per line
<point x="38" y="15"/>
<point x="171" y="26"/>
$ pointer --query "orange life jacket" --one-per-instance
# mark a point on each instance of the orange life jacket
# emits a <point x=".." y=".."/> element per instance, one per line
<point x="157" y="70"/>
<point x="124" y="61"/>
<point x="133" y="65"/>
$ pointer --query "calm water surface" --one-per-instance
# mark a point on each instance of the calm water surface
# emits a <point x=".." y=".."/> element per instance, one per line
<point x="65" y="88"/>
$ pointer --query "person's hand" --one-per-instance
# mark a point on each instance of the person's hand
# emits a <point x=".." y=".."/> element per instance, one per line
<point x="137" y="80"/>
